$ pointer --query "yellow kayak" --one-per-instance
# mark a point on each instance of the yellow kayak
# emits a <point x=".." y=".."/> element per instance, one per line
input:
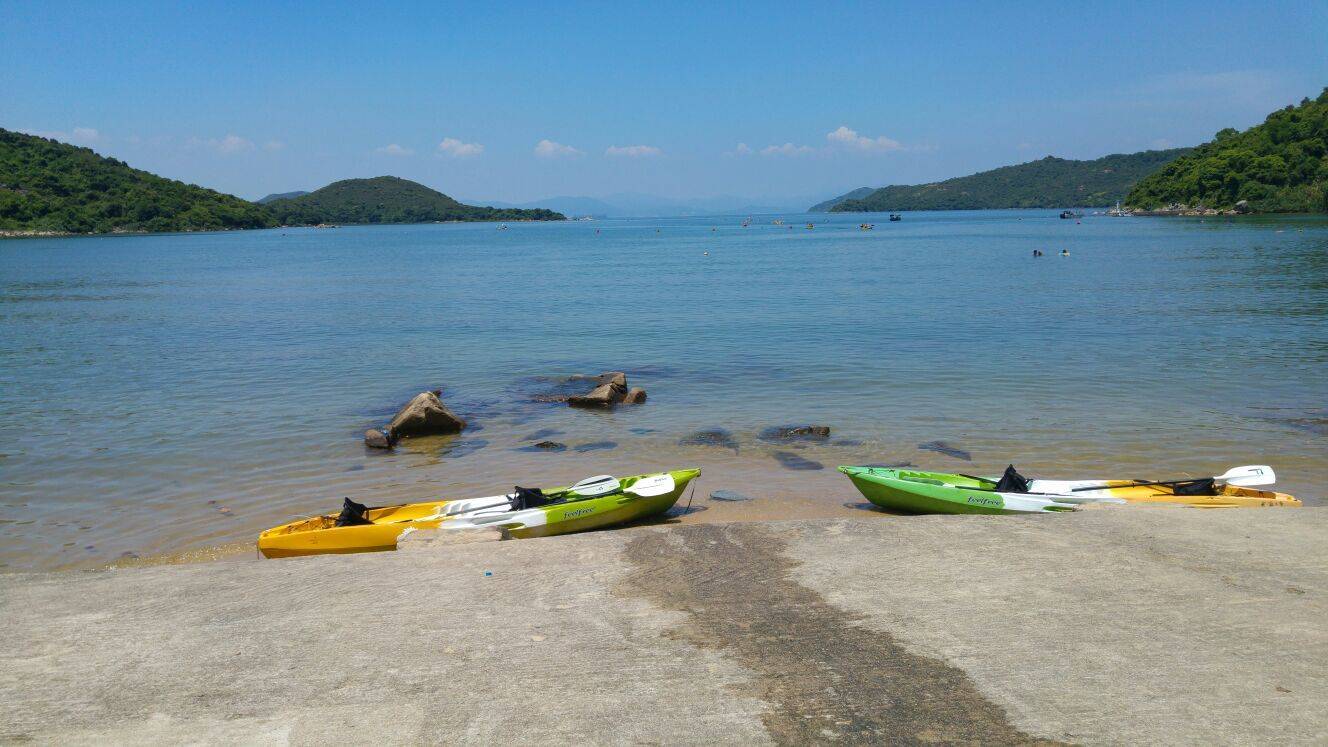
<point x="590" y="504"/>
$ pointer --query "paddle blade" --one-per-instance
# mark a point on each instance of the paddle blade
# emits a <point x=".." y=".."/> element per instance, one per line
<point x="652" y="485"/>
<point x="594" y="486"/>
<point x="1249" y="476"/>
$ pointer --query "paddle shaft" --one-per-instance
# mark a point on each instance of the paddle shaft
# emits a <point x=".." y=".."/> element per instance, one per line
<point x="1139" y="484"/>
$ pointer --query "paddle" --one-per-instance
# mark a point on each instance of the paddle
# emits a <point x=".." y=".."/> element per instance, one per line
<point x="1247" y="476"/>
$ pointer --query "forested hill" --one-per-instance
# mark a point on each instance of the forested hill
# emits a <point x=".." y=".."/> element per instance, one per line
<point x="388" y="199"/>
<point x="1280" y="166"/>
<point x="1048" y="183"/>
<point x="47" y="185"/>
<point x="825" y="207"/>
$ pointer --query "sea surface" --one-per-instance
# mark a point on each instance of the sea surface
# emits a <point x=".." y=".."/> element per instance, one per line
<point x="161" y="395"/>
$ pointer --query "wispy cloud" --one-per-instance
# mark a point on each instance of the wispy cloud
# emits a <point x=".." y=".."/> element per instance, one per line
<point x="549" y="149"/>
<point x="454" y="148"/>
<point x="847" y="138"/>
<point x="742" y="149"/>
<point x="632" y="151"/>
<point x="787" y="149"/>
<point x="392" y="149"/>
<point x="229" y="145"/>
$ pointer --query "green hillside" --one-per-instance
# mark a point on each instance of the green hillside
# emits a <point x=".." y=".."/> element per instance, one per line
<point x="825" y="207"/>
<point x="280" y="196"/>
<point x="388" y="199"/>
<point x="1280" y="166"/>
<point x="1048" y="183"/>
<point x="46" y="185"/>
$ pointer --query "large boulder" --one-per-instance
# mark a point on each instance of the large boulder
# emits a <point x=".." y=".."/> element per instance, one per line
<point x="425" y="415"/>
<point x="604" y="395"/>
<point x="1243" y="207"/>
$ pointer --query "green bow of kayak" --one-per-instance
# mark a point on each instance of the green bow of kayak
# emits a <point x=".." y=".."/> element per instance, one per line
<point x="940" y="493"/>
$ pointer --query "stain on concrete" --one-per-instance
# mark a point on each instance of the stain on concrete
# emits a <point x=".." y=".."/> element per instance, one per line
<point x="824" y="677"/>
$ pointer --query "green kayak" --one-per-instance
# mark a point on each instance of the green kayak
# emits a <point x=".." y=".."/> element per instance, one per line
<point x="944" y="493"/>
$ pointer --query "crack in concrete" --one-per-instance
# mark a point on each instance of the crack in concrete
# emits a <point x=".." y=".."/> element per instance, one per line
<point x="823" y="677"/>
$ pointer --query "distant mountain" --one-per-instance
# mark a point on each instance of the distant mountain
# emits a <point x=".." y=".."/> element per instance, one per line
<point x="388" y="199"/>
<point x="857" y="194"/>
<point x="636" y="205"/>
<point x="1047" y="183"/>
<point x="280" y="196"/>
<point x="47" y="185"/>
<point x="1280" y="166"/>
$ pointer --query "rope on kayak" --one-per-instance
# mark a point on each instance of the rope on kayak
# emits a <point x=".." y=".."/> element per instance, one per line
<point x="690" y="496"/>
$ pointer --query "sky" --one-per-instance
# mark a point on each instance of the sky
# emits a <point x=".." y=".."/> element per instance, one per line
<point x="520" y="101"/>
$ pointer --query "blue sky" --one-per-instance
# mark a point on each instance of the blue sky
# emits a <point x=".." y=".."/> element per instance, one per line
<point x="252" y="98"/>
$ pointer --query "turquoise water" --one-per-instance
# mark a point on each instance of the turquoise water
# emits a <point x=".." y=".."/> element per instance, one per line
<point x="171" y="392"/>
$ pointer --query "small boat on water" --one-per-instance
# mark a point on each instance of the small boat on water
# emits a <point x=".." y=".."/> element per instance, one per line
<point x="895" y="217"/>
<point x="951" y="493"/>
<point x="528" y="512"/>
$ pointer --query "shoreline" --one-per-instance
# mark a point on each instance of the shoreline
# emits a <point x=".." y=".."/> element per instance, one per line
<point x="960" y="628"/>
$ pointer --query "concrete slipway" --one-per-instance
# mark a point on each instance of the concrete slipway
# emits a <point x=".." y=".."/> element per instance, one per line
<point x="1109" y="626"/>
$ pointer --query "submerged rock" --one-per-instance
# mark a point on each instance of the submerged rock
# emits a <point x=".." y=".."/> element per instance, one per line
<point x="712" y="437"/>
<point x="941" y="447"/>
<point x="595" y="446"/>
<point x="545" y="446"/>
<point x="458" y="449"/>
<point x="635" y="396"/>
<point x="375" y="438"/>
<point x="785" y="433"/>
<point x="729" y="495"/>
<point x="792" y="461"/>
<point x="425" y="415"/>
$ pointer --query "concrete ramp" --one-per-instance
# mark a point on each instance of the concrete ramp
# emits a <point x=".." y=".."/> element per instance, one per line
<point x="1109" y="626"/>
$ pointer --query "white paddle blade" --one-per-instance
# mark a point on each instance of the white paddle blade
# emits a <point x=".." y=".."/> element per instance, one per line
<point x="652" y="485"/>
<point x="1249" y="476"/>
<point x="597" y="485"/>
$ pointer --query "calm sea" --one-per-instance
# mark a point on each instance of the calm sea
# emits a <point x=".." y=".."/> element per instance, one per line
<point x="161" y="394"/>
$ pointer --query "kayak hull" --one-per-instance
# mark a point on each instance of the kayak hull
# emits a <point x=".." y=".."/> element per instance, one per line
<point x="319" y="535"/>
<point x="917" y="492"/>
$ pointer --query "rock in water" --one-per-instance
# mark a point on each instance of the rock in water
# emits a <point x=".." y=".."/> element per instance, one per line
<point x="729" y="495"/>
<point x="635" y="396"/>
<point x="604" y="395"/>
<point x="712" y="437"/>
<point x="783" y="433"/>
<point x="425" y="415"/>
<point x="941" y="447"/>
<point x="376" y="439"/>
<point x="544" y="446"/>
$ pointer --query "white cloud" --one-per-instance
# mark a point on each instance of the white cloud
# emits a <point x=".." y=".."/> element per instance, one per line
<point x="632" y="151"/>
<point x="229" y="145"/>
<point x="851" y="139"/>
<point x="550" y="149"/>
<point x="80" y="136"/>
<point x="457" y="149"/>
<point x="273" y="145"/>
<point x="787" y="149"/>
<point x="392" y="149"/>
<point x="743" y="149"/>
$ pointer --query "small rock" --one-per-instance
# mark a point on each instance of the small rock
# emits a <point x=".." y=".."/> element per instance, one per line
<point x="941" y="447"/>
<point x="423" y="416"/>
<point x="635" y="396"/>
<point x="729" y="495"/>
<point x="545" y="446"/>
<point x="376" y="439"/>
<point x="792" y="461"/>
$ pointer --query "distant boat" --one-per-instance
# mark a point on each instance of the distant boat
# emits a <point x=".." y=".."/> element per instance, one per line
<point x="1067" y="214"/>
<point x="895" y="217"/>
<point x="866" y="226"/>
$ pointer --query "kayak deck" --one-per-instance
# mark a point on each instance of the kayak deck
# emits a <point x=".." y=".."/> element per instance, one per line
<point x="387" y="524"/>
